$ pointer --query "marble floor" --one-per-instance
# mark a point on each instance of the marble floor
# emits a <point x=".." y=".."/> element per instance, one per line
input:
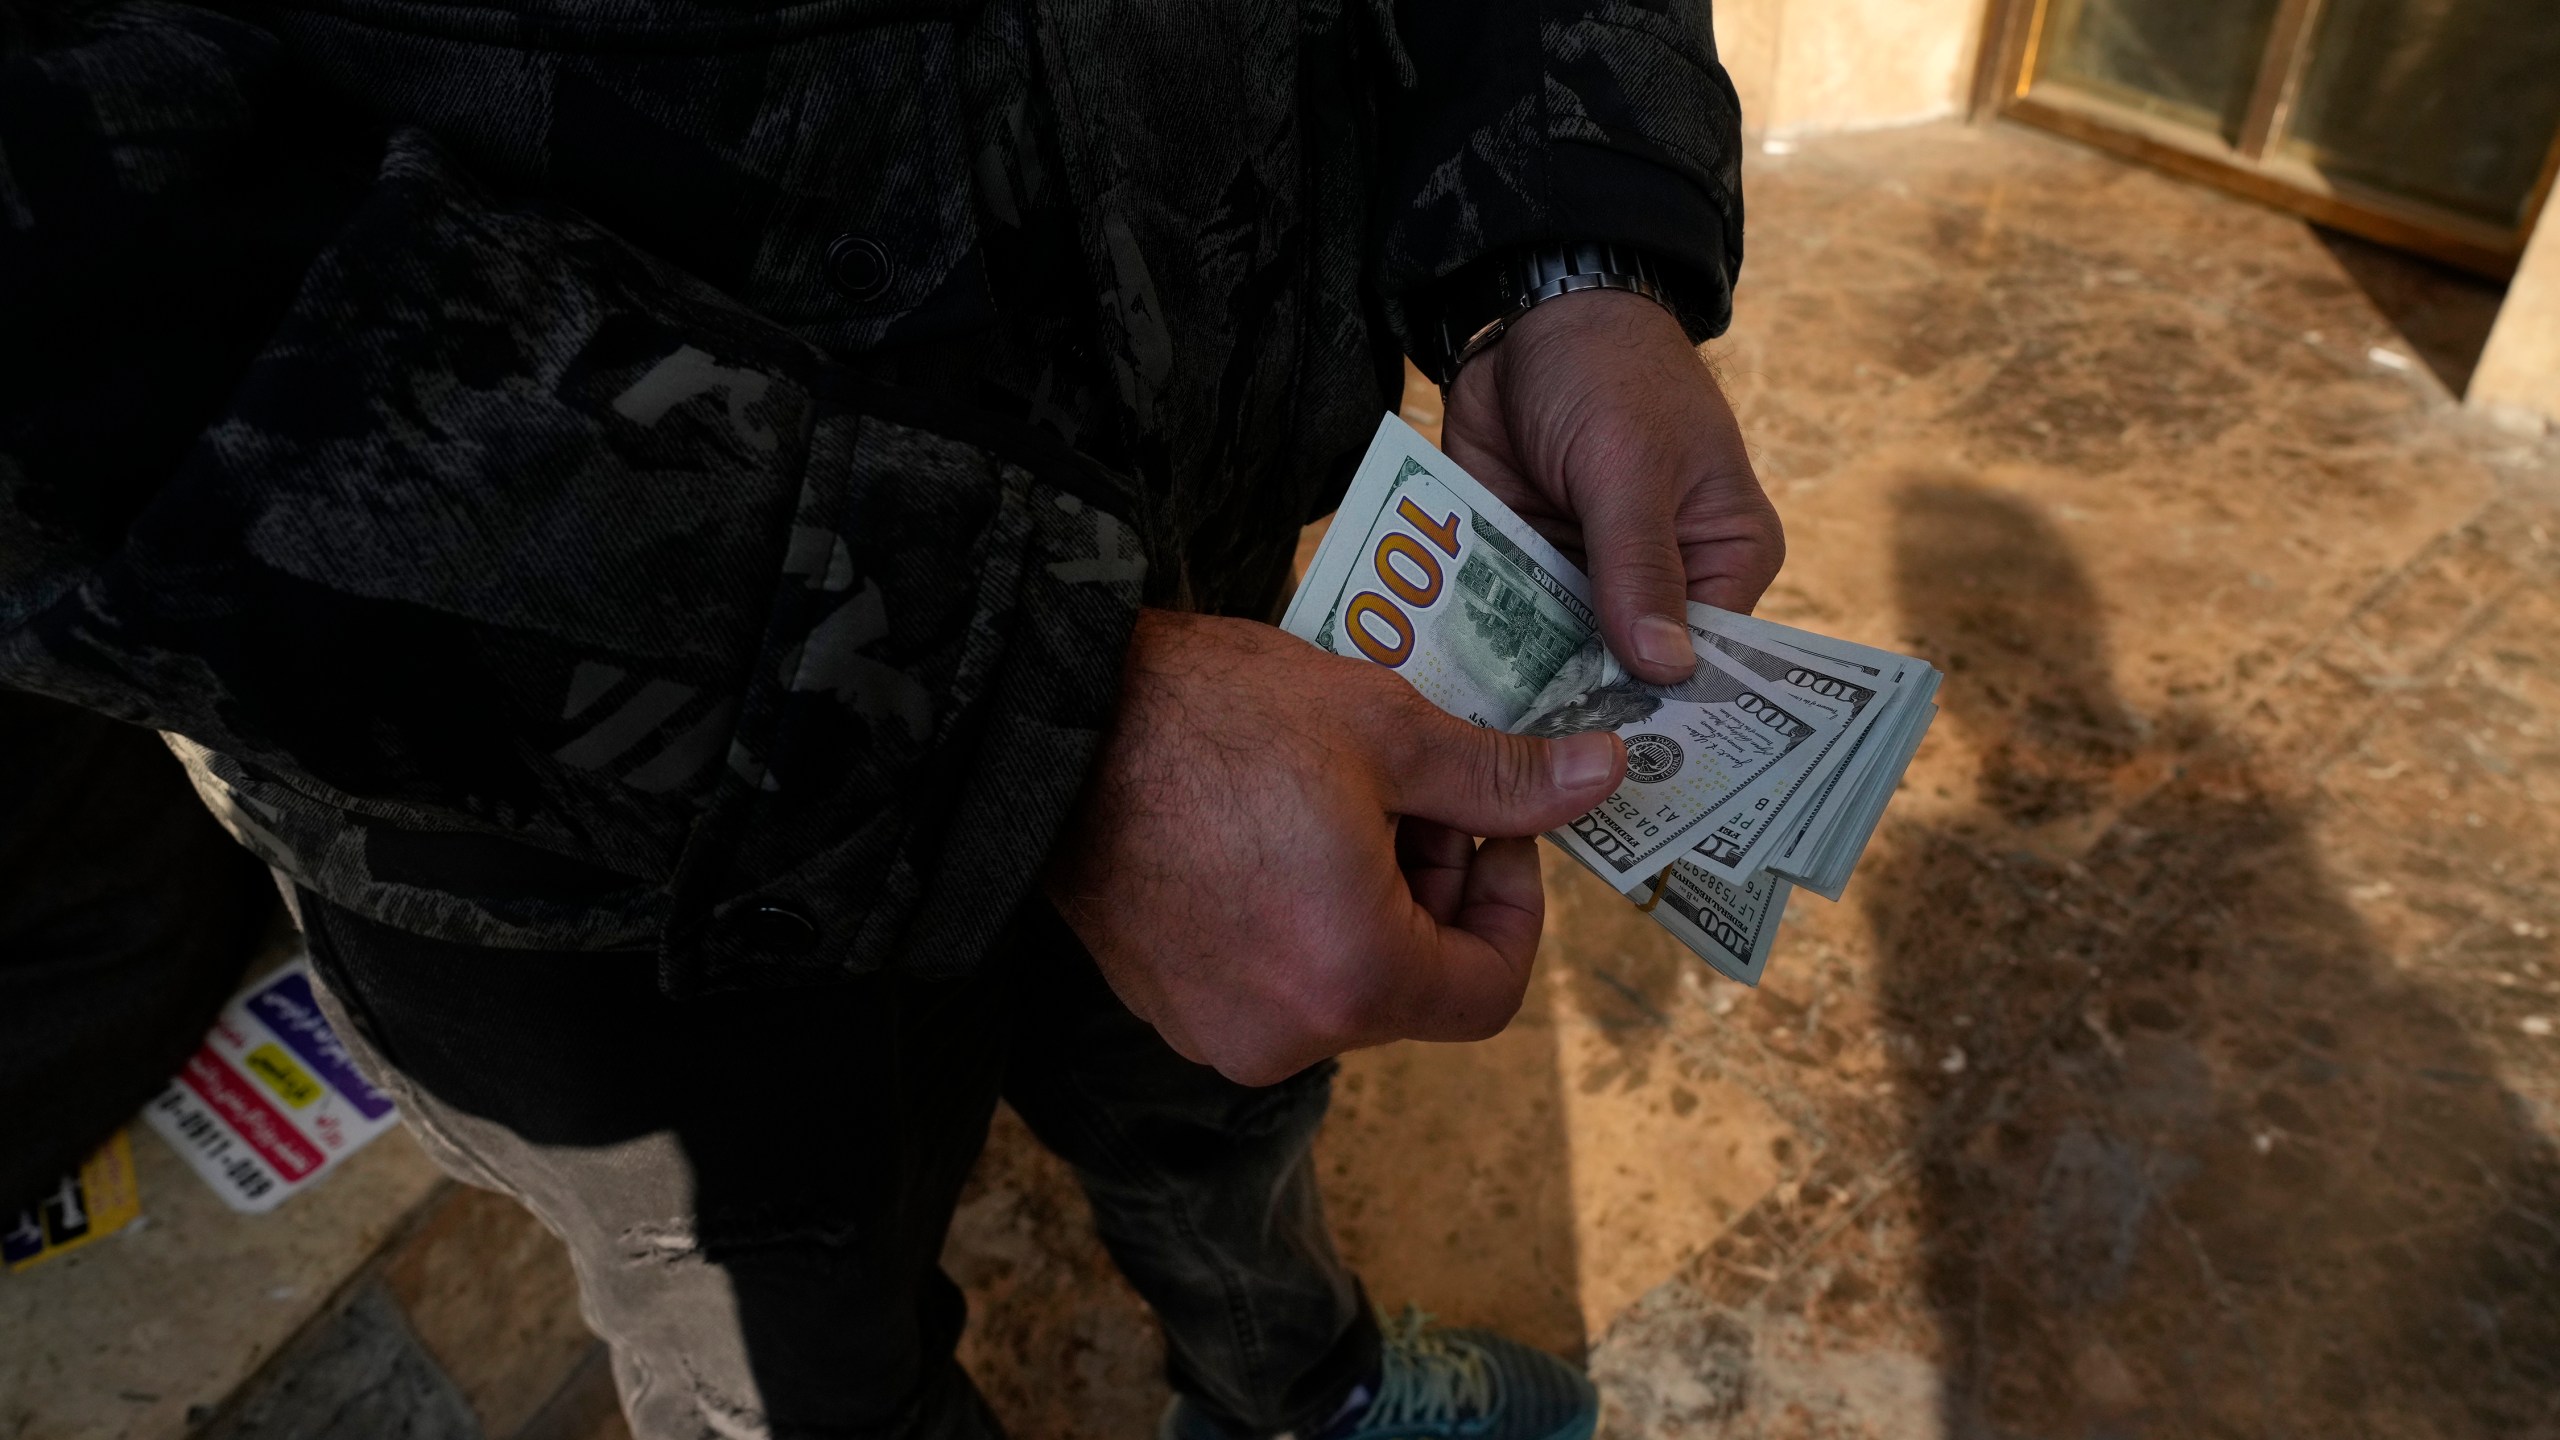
<point x="2185" y="1058"/>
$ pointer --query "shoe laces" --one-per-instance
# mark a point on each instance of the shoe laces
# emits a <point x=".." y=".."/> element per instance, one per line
<point x="1429" y="1377"/>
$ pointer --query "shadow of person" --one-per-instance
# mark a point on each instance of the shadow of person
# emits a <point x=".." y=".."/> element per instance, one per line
<point x="2193" y="1159"/>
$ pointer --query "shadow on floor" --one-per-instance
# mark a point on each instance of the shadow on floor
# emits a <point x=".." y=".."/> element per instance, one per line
<point x="1447" y="1172"/>
<point x="2192" y="1158"/>
<point x="2442" y="314"/>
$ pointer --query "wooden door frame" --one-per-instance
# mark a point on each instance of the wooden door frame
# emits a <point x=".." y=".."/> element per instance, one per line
<point x="2004" y="74"/>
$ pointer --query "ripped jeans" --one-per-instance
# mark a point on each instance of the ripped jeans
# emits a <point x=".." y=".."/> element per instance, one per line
<point x="755" y="1186"/>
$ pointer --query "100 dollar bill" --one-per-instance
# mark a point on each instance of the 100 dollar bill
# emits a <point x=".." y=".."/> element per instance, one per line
<point x="1443" y="585"/>
<point x="1428" y="574"/>
<point x="1729" y="923"/>
<point x="1693" y="747"/>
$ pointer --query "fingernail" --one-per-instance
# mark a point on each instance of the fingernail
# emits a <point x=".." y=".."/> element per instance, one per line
<point x="1581" y="761"/>
<point x="1663" y="641"/>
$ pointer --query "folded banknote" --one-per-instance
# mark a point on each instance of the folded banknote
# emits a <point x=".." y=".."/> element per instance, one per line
<point x="1768" y="768"/>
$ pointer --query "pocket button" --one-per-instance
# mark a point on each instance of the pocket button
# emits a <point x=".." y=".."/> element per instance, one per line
<point x="859" y="267"/>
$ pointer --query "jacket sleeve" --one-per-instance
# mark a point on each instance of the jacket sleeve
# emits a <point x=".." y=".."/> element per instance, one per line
<point x="432" y="523"/>
<point x="1527" y="120"/>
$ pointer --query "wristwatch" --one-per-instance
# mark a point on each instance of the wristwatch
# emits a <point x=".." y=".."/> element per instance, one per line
<point x="1462" y="316"/>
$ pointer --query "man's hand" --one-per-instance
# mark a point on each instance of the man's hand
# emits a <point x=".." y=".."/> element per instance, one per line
<point x="1273" y="863"/>
<point x="1596" y="421"/>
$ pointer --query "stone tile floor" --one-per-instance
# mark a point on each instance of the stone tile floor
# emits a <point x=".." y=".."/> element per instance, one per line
<point x="2185" y="1059"/>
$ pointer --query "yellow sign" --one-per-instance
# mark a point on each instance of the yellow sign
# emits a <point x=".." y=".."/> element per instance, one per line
<point x="97" y="1201"/>
<point x="288" y="1080"/>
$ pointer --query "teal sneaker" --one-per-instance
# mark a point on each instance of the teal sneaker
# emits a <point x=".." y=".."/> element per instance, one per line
<point x="1438" y="1384"/>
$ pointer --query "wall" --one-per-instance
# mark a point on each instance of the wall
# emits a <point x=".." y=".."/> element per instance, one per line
<point x="2518" y="381"/>
<point x="1747" y="43"/>
<point x="1809" y="66"/>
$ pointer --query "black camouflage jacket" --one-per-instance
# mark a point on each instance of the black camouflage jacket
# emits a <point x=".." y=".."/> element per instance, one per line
<point x="661" y="473"/>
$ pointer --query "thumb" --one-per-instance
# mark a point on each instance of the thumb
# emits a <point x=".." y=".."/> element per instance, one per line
<point x="1639" y="580"/>
<point x="1487" y="783"/>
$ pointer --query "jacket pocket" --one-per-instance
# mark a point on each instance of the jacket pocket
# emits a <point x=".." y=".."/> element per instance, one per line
<point x="943" y="661"/>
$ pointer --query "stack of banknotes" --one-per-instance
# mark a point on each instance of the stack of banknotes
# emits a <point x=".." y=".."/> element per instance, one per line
<point x="1766" y="769"/>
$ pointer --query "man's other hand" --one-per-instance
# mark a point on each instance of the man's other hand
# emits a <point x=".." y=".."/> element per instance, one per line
<point x="1274" y="862"/>
<point x="1595" y="419"/>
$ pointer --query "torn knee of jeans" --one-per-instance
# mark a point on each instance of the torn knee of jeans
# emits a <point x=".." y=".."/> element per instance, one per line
<point x="728" y="1418"/>
<point x="671" y="1242"/>
<point x="699" y="1240"/>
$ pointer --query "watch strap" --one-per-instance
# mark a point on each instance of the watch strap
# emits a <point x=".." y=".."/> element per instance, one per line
<point x="1468" y="312"/>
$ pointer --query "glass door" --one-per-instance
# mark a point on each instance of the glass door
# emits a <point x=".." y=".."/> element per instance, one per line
<point x="2429" y="124"/>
